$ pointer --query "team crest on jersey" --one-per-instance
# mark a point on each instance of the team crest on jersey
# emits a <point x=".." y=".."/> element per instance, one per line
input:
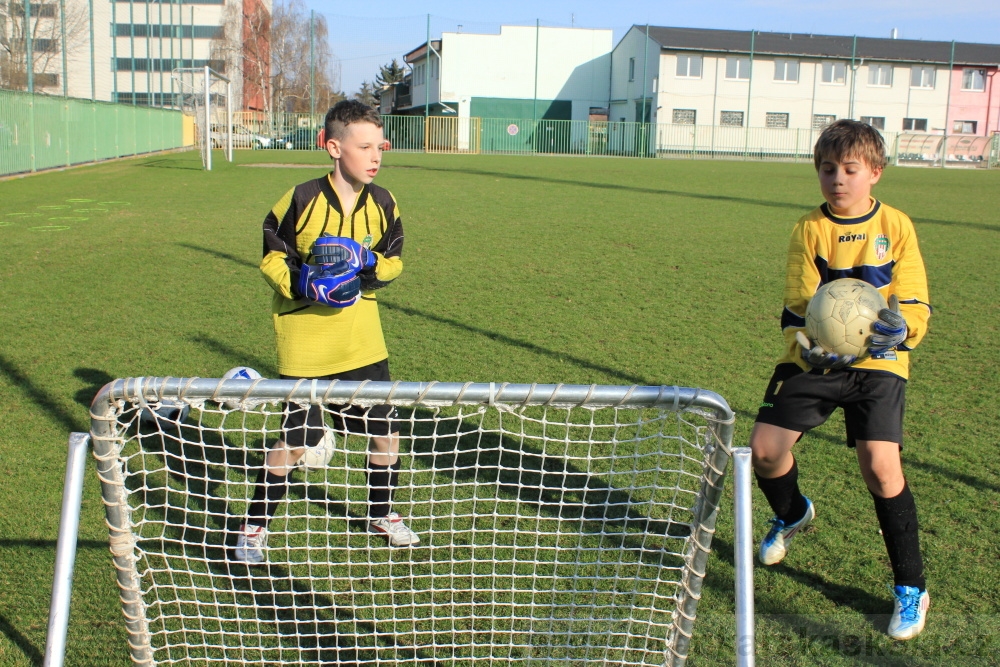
<point x="881" y="246"/>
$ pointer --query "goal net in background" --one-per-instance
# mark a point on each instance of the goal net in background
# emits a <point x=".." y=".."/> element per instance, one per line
<point x="558" y="523"/>
<point x="205" y="96"/>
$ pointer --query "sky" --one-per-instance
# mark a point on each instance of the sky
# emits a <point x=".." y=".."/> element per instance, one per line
<point x="365" y="35"/>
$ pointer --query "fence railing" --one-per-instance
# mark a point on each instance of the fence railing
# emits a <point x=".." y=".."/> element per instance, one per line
<point x="42" y="132"/>
<point x="518" y="136"/>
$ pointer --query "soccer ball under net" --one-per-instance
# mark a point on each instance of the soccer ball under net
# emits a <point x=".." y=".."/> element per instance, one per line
<point x="164" y="411"/>
<point x="239" y="373"/>
<point x="841" y="314"/>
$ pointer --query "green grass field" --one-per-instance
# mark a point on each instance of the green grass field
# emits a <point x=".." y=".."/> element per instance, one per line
<point x="613" y="271"/>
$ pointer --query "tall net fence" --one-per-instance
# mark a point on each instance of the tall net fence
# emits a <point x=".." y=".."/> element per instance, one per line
<point x="557" y="524"/>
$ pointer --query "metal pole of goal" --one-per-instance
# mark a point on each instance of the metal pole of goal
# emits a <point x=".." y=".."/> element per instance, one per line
<point x="69" y="526"/>
<point x="743" y="554"/>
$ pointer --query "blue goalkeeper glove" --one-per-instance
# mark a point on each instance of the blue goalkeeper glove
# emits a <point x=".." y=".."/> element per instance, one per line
<point x="817" y="357"/>
<point x="889" y="330"/>
<point x="332" y="249"/>
<point x="333" y="285"/>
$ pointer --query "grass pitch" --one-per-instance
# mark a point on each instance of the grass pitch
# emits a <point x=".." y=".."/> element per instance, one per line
<point x="518" y="269"/>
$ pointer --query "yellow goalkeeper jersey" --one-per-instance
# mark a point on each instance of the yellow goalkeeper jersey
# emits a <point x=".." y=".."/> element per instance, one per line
<point x="879" y="247"/>
<point x="315" y="340"/>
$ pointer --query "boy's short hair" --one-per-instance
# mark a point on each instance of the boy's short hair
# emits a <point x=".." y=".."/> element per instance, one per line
<point x="345" y="113"/>
<point x="850" y="138"/>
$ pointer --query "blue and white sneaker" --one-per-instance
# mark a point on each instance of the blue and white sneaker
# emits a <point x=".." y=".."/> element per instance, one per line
<point x="910" y="612"/>
<point x="775" y="545"/>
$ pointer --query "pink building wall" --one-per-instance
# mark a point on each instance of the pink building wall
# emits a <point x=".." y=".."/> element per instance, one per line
<point x="982" y="107"/>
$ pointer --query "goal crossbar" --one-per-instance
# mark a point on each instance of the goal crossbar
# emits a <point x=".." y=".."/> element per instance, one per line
<point x="560" y="524"/>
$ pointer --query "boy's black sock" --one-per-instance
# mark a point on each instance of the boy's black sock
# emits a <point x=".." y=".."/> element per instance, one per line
<point x="269" y="490"/>
<point x="382" y="480"/>
<point x="897" y="517"/>
<point x="783" y="495"/>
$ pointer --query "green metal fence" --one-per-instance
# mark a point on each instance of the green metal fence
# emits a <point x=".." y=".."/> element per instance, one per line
<point x="42" y="132"/>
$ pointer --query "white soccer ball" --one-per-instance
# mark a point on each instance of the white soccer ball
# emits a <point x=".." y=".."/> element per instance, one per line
<point x="239" y="373"/>
<point x="841" y="314"/>
<point x="167" y="410"/>
<point x="319" y="455"/>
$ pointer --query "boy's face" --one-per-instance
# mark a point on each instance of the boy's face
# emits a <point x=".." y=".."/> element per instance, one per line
<point x="358" y="153"/>
<point x="847" y="184"/>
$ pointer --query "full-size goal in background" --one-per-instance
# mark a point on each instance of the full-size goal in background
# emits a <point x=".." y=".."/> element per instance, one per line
<point x="207" y="98"/>
<point x="559" y="524"/>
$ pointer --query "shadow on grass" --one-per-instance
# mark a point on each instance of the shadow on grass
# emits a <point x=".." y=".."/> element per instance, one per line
<point x="617" y="187"/>
<point x="968" y="480"/>
<point x="166" y="163"/>
<point x="219" y="255"/>
<point x="30" y="651"/>
<point x="43" y="402"/>
<point x="234" y="356"/>
<point x="270" y="599"/>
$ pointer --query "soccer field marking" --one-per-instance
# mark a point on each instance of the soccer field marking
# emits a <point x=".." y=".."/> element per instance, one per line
<point x="90" y="210"/>
<point x="70" y="218"/>
<point x="54" y="207"/>
<point x="79" y="201"/>
<point x="115" y="203"/>
<point x="49" y="228"/>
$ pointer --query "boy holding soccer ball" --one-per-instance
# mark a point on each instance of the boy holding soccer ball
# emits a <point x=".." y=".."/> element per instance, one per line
<point x="328" y="245"/>
<point x="852" y="235"/>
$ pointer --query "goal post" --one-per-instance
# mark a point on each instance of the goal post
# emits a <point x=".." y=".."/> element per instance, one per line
<point x="207" y="97"/>
<point x="559" y="524"/>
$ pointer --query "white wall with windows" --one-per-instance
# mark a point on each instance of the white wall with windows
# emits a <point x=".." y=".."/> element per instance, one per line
<point x="636" y="78"/>
<point x="572" y="64"/>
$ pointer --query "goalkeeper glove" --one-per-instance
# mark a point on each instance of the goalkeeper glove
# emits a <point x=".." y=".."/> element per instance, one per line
<point x="889" y="330"/>
<point x="817" y="357"/>
<point x="333" y="285"/>
<point x="332" y="249"/>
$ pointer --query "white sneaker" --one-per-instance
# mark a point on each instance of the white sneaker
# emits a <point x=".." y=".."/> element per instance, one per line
<point x="774" y="546"/>
<point x="250" y="544"/>
<point x="392" y="527"/>
<point x="910" y="613"/>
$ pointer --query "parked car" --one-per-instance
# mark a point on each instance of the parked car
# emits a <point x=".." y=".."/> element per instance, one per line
<point x="242" y="138"/>
<point x="300" y="139"/>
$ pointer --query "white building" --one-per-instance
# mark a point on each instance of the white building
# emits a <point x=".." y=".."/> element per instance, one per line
<point x="687" y="76"/>
<point x="133" y="45"/>
<point x="525" y="72"/>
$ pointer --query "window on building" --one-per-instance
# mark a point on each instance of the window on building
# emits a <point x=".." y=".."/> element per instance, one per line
<point x="45" y="45"/>
<point x="731" y="118"/>
<point x="419" y="73"/>
<point x="834" y="73"/>
<point x="38" y="10"/>
<point x="921" y="77"/>
<point x="737" y="67"/>
<point x="685" y="116"/>
<point x="974" y="79"/>
<point x="434" y="67"/>
<point x="964" y="127"/>
<point x="46" y="79"/>
<point x="880" y="75"/>
<point x="821" y="120"/>
<point x="631" y="69"/>
<point x="878" y="122"/>
<point x="775" y="120"/>
<point x="786" y="70"/>
<point x="689" y="66"/>
<point x="914" y="124"/>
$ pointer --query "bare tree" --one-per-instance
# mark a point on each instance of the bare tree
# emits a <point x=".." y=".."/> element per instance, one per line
<point x="295" y="81"/>
<point x="45" y="29"/>
<point x="244" y="44"/>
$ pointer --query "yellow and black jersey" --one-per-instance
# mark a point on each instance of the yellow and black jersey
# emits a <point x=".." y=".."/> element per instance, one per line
<point x="879" y="247"/>
<point x="316" y="340"/>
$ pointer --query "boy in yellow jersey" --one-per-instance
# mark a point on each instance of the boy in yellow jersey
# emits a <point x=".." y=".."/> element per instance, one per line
<point x="329" y="244"/>
<point x="852" y="235"/>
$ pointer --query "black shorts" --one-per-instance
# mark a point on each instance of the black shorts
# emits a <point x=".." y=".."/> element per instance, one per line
<point x="873" y="402"/>
<point x="304" y="426"/>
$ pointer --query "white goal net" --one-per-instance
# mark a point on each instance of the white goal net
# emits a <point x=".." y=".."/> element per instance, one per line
<point x="205" y="96"/>
<point x="559" y="524"/>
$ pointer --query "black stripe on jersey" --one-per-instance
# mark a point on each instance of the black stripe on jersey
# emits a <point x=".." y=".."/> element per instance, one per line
<point x="305" y="218"/>
<point x="879" y="276"/>
<point x="331" y="196"/>
<point x="836" y="219"/>
<point x="790" y="319"/>
<point x="381" y="220"/>
<point x="368" y="227"/>
<point x="295" y="310"/>
<point x="326" y="221"/>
